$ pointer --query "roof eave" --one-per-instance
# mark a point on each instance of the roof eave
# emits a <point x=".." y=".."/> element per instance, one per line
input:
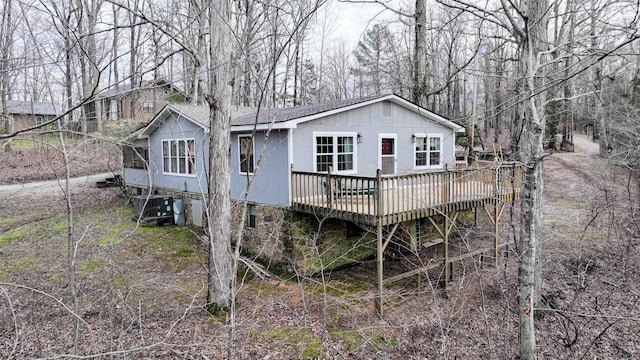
<point x="293" y="123"/>
<point x="162" y="115"/>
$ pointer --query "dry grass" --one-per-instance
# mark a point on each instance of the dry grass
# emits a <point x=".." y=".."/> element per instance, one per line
<point x="142" y="289"/>
<point x="40" y="158"/>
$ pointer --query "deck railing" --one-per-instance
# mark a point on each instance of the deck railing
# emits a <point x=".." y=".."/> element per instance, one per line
<point x="382" y="196"/>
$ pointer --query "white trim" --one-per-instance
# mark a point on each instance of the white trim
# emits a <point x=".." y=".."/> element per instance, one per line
<point x="162" y="116"/>
<point x="290" y="162"/>
<point x="427" y="138"/>
<point x="167" y="173"/>
<point x="395" y="151"/>
<point x="335" y="135"/>
<point x="253" y="157"/>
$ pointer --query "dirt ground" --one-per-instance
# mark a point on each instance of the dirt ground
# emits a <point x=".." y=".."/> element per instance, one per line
<point x="35" y="159"/>
<point x="141" y="289"/>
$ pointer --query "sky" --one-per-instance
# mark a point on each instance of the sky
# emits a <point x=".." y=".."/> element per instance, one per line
<point x="350" y="21"/>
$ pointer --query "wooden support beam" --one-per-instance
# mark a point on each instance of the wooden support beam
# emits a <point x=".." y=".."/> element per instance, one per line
<point x="436" y="265"/>
<point x="498" y="208"/>
<point x="388" y="239"/>
<point x="380" y="258"/>
<point x="379" y="255"/>
<point x="445" y="231"/>
<point x="414" y="241"/>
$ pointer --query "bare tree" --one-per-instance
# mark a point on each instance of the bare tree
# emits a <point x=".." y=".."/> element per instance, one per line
<point x="420" y="54"/>
<point x="220" y="270"/>
<point x="6" y="28"/>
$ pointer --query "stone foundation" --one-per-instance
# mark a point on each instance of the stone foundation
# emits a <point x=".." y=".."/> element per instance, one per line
<point x="300" y="242"/>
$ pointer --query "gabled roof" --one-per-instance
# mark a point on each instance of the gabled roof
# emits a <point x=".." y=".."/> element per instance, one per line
<point x="244" y="119"/>
<point x="30" y="108"/>
<point x="198" y="114"/>
<point x="125" y="88"/>
<point x="285" y="118"/>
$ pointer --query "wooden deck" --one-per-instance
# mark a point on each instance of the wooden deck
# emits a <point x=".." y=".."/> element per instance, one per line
<point x="390" y="200"/>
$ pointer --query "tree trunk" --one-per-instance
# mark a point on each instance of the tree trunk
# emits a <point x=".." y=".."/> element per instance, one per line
<point x="530" y="270"/>
<point x="420" y="55"/>
<point x="220" y="267"/>
<point x="6" y="41"/>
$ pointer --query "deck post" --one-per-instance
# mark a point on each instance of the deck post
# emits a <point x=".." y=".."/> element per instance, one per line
<point x="380" y="252"/>
<point x="498" y="208"/>
<point x="293" y="185"/>
<point x="447" y="269"/>
<point x="496" y="239"/>
<point x="330" y="186"/>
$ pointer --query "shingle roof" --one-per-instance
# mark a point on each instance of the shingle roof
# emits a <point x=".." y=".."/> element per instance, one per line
<point x="275" y="115"/>
<point x="30" y="107"/>
<point x="200" y="113"/>
<point x="242" y="117"/>
<point x="247" y="115"/>
<point x="126" y="87"/>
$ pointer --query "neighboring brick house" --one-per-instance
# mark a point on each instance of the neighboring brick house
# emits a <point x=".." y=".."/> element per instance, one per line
<point x="26" y="114"/>
<point x="140" y="103"/>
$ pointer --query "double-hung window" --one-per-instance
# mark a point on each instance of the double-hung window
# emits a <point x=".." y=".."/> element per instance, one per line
<point x="245" y="149"/>
<point x="179" y="157"/>
<point x="335" y="150"/>
<point x="428" y="151"/>
<point x="148" y="106"/>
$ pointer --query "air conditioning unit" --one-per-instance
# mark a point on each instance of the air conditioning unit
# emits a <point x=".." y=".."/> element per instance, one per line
<point x="156" y="209"/>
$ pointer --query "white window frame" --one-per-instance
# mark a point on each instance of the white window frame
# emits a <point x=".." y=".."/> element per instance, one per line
<point x="335" y="154"/>
<point x="253" y="156"/>
<point x="151" y="108"/>
<point x="186" y="158"/>
<point x="427" y="138"/>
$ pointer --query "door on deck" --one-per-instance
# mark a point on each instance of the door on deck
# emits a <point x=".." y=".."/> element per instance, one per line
<point x="387" y="162"/>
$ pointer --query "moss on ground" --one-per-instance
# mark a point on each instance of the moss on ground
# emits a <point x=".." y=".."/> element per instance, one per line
<point x="10" y="237"/>
<point x="570" y="204"/>
<point x="352" y="339"/>
<point x="178" y="242"/>
<point x="308" y="345"/>
<point x="92" y="265"/>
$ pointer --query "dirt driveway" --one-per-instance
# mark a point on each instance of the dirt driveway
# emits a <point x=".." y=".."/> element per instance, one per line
<point x="49" y="186"/>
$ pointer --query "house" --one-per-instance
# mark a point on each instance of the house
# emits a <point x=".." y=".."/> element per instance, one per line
<point x="26" y="114"/>
<point x="350" y="137"/>
<point x="331" y="183"/>
<point x="137" y="103"/>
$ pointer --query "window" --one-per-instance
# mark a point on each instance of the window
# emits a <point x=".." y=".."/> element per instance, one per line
<point x="337" y="151"/>
<point x="39" y="120"/>
<point x="251" y="216"/>
<point x="428" y="150"/>
<point x="135" y="158"/>
<point x="148" y="106"/>
<point x="245" y="144"/>
<point x="435" y="151"/>
<point x="179" y="156"/>
<point x="421" y="151"/>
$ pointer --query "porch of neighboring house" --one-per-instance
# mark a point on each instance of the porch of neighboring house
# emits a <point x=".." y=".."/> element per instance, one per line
<point x="385" y="202"/>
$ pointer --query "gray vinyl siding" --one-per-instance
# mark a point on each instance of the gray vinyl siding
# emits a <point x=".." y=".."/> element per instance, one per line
<point x="271" y="182"/>
<point x="174" y="129"/>
<point x="369" y="123"/>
